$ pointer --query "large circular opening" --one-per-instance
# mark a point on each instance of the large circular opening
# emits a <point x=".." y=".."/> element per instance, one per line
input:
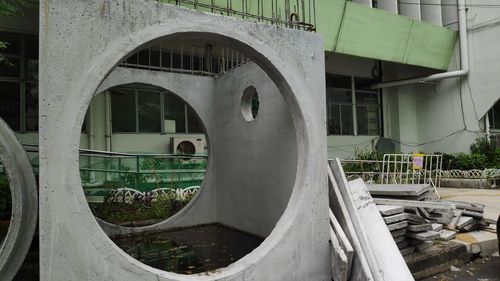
<point x="250" y="173"/>
<point x="130" y="158"/>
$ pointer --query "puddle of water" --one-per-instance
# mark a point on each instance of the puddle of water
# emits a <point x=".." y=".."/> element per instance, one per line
<point x="190" y="250"/>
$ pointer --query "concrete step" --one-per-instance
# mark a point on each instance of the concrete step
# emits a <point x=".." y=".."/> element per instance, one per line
<point x="437" y="259"/>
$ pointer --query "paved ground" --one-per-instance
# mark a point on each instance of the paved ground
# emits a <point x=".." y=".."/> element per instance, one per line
<point x="478" y="270"/>
<point x="489" y="197"/>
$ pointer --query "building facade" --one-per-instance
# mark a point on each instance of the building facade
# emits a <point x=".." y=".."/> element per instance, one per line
<point x="367" y="43"/>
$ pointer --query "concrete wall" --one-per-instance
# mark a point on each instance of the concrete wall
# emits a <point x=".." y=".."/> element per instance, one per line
<point x="256" y="161"/>
<point x="72" y="245"/>
<point x="448" y="115"/>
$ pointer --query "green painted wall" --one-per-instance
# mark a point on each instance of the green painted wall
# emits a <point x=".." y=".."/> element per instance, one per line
<point x="355" y="29"/>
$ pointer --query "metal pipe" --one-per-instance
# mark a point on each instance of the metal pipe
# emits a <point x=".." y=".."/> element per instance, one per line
<point x="464" y="57"/>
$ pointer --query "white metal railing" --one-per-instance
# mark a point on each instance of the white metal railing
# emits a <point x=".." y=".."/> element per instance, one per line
<point x="412" y="169"/>
<point x="471" y="174"/>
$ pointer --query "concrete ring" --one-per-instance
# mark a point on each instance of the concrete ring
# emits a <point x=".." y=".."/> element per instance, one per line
<point x="23" y="189"/>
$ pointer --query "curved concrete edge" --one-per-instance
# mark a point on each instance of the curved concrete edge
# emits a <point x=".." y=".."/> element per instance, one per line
<point x="24" y="203"/>
<point x="73" y="244"/>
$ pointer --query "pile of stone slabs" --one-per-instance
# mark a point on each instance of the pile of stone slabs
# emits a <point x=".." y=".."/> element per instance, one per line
<point x="467" y="217"/>
<point x="407" y="235"/>
<point x="417" y="192"/>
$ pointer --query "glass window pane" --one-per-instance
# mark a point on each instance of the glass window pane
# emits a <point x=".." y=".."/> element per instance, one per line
<point x="338" y="81"/>
<point x="31" y="107"/>
<point x="368" y="120"/>
<point x="13" y="42"/>
<point x="132" y="59"/>
<point x="10" y="102"/>
<point x="10" y="67"/>
<point x="338" y="96"/>
<point x="347" y="124"/>
<point x="194" y="124"/>
<point x="149" y="111"/>
<point x="144" y="57"/>
<point x="333" y="119"/>
<point x="363" y="83"/>
<point x="31" y="47"/>
<point x="165" y="59"/>
<point x="155" y="58"/>
<point x="123" y="111"/>
<point x="367" y="98"/>
<point x="362" y="119"/>
<point x="175" y="120"/>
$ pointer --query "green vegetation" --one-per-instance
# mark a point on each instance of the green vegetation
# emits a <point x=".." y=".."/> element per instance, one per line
<point x="141" y="210"/>
<point x="483" y="155"/>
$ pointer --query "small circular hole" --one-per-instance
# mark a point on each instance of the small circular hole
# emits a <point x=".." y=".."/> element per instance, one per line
<point x="250" y="104"/>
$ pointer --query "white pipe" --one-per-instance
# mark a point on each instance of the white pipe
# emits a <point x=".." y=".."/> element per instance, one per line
<point x="107" y="114"/>
<point x="464" y="57"/>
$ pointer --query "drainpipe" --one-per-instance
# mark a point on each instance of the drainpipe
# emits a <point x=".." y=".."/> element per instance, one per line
<point x="464" y="57"/>
<point x="107" y="126"/>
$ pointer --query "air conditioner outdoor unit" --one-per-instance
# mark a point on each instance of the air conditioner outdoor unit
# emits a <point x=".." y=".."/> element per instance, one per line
<point x="188" y="145"/>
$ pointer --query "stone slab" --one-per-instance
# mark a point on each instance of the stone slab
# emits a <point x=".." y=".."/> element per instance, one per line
<point x="399" y="232"/>
<point x="415" y="219"/>
<point x="437" y="227"/>
<point x="419" y="227"/>
<point x="399" y="239"/>
<point x="394" y="218"/>
<point x="447" y="235"/>
<point x="424" y="236"/>
<point x="398" y="189"/>
<point x="463" y="221"/>
<point x="388" y="210"/>
<point x="403" y="244"/>
<point x="389" y="264"/>
<point x="397" y="225"/>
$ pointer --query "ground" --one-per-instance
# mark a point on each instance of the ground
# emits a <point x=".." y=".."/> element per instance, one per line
<point x="487" y="269"/>
<point x="489" y="197"/>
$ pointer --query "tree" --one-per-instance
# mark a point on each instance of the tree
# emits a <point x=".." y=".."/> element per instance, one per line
<point x="12" y="8"/>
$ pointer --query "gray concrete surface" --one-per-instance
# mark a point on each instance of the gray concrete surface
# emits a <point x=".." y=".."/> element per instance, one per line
<point x="22" y="182"/>
<point x="488" y="197"/>
<point x="83" y="40"/>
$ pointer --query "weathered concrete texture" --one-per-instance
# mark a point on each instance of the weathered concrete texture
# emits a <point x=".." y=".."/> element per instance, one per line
<point x="388" y="210"/>
<point x="82" y="41"/>
<point x="23" y="190"/>
<point x="266" y="147"/>
<point x="395" y="218"/>
<point x="390" y="264"/>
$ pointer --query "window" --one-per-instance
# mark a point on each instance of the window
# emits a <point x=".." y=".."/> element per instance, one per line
<point x="149" y="111"/>
<point x="139" y="109"/>
<point x="19" y="81"/>
<point x="352" y="108"/>
<point x="494" y="116"/>
<point x="123" y="111"/>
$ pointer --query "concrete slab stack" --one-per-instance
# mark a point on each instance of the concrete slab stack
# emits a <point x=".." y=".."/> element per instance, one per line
<point x="427" y="218"/>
